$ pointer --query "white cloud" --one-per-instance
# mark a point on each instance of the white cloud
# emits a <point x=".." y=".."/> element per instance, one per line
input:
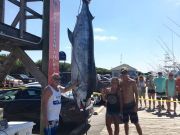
<point x="105" y="38"/>
<point x="175" y="2"/>
<point x="178" y="3"/>
<point x="98" y="30"/>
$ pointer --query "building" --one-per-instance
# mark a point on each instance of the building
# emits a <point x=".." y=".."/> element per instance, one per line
<point x="116" y="72"/>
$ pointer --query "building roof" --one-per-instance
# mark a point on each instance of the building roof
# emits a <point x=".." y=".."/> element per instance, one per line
<point x="122" y="66"/>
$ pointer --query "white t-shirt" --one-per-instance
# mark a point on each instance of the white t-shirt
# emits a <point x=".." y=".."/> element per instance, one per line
<point x="54" y="105"/>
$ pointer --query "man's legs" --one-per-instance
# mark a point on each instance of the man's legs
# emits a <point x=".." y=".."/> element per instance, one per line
<point x="159" y="104"/>
<point x="116" y="130"/>
<point x="126" y="120"/>
<point x="126" y="128"/>
<point x="50" y="131"/>
<point x="153" y="98"/>
<point x="164" y="98"/>
<point x="158" y="97"/>
<point x="140" y="101"/>
<point x="144" y="100"/>
<point x="168" y="104"/>
<point x="138" y="128"/>
<point x="163" y="102"/>
<point x="174" y="100"/>
<point x="149" y="96"/>
<point x="134" y="119"/>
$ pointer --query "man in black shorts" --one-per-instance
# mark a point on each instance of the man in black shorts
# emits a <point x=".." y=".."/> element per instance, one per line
<point x="160" y="90"/>
<point x="130" y="101"/>
<point x="151" y="90"/>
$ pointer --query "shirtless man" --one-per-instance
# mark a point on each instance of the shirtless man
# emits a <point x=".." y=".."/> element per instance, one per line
<point x="130" y="101"/>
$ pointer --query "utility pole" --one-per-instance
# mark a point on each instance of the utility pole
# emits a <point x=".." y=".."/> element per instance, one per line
<point x="121" y="59"/>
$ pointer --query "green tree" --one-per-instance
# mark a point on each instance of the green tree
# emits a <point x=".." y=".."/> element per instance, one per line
<point x="39" y="64"/>
<point x="103" y="71"/>
<point x="2" y="58"/>
<point x="18" y="68"/>
<point x="65" y="67"/>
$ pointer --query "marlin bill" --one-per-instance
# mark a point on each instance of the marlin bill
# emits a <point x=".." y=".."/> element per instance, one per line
<point x="82" y="56"/>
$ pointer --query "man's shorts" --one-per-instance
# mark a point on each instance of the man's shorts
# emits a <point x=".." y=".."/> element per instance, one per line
<point x="151" y="91"/>
<point x="133" y="117"/>
<point x="52" y="128"/>
<point x="160" y="95"/>
<point x="128" y="112"/>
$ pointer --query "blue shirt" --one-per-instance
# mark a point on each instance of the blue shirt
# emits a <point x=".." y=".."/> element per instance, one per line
<point x="171" y="87"/>
<point x="160" y="83"/>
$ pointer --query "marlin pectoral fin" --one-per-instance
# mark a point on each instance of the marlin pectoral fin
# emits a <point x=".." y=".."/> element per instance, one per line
<point x="92" y="17"/>
<point x="70" y="36"/>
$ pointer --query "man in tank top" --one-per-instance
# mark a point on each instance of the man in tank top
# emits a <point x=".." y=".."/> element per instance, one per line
<point x="52" y="104"/>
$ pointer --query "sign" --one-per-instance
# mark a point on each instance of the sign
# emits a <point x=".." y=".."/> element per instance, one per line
<point x="62" y="56"/>
<point x="54" y="28"/>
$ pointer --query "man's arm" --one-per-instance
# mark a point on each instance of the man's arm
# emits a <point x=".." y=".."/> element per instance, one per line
<point x="103" y="92"/>
<point x="71" y="87"/>
<point x="136" y="95"/>
<point x="120" y="94"/>
<point x="46" y="95"/>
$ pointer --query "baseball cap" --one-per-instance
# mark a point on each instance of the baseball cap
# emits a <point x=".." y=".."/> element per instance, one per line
<point x="124" y="70"/>
<point x="159" y="73"/>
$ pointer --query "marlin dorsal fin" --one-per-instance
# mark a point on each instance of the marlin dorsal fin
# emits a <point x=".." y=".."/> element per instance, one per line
<point x="70" y="36"/>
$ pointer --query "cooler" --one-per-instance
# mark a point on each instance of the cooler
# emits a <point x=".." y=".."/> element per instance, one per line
<point x="18" y="128"/>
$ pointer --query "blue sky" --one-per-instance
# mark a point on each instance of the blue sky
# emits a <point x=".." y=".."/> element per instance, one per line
<point x="127" y="31"/>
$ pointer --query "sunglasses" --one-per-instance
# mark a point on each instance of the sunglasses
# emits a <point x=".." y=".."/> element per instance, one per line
<point x="56" y="79"/>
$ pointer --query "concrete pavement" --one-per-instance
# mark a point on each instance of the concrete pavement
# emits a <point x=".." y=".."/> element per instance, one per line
<point x="151" y="122"/>
<point x="154" y="124"/>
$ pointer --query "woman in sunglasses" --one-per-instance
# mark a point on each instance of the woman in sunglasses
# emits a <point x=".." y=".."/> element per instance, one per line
<point x="112" y="97"/>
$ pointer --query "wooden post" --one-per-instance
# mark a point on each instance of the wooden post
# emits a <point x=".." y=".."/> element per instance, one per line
<point x="50" y="48"/>
<point x="45" y="36"/>
<point x="45" y="51"/>
<point x="22" y="23"/>
<point x="30" y="66"/>
<point x="2" y="4"/>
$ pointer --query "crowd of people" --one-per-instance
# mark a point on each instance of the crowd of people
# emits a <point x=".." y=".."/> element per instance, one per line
<point x="161" y="89"/>
<point x="125" y="96"/>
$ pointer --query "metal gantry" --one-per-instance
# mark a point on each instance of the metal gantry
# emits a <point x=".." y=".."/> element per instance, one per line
<point x="18" y="40"/>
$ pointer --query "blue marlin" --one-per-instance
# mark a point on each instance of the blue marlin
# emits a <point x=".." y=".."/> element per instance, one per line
<point x="82" y="56"/>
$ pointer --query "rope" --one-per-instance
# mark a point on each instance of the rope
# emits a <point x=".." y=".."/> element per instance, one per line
<point x="149" y="99"/>
<point x="160" y="100"/>
<point x="84" y="111"/>
<point x="79" y="7"/>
